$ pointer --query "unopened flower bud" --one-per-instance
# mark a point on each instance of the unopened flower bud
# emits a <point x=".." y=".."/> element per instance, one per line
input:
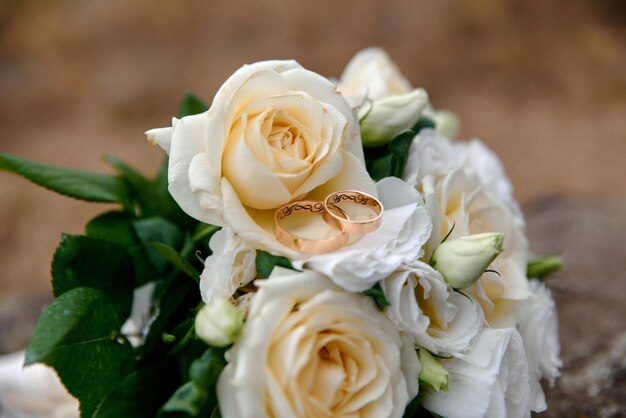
<point x="446" y="122"/>
<point x="433" y="374"/>
<point x="219" y="323"/>
<point x="384" y="119"/>
<point x="462" y="261"/>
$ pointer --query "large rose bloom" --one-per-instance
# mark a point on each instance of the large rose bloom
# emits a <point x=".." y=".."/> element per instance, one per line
<point x="308" y="349"/>
<point x="275" y="132"/>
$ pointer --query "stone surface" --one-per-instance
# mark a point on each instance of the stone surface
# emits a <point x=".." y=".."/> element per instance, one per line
<point x="590" y="293"/>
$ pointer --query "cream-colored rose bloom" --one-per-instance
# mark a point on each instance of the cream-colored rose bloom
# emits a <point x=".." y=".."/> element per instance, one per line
<point x="275" y="132"/>
<point x="429" y="312"/>
<point x="309" y="349"/>
<point x="230" y="266"/>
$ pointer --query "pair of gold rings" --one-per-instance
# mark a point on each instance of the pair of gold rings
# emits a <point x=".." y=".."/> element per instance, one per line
<point x="342" y="222"/>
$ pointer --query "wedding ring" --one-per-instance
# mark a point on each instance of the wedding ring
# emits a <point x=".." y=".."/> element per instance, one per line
<point x="354" y="225"/>
<point x="308" y="245"/>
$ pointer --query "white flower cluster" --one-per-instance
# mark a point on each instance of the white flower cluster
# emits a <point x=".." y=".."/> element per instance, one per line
<point x="449" y="257"/>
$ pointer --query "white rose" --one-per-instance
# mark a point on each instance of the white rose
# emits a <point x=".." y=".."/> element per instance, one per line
<point x="372" y="74"/>
<point x="275" y="132"/>
<point x="428" y="311"/>
<point x="435" y="155"/>
<point x="404" y="229"/>
<point x="230" y="266"/>
<point x="309" y="349"/>
<point x="491" y="380"/>
<point x="539" y="329"/>
<point x="456" y="195"/>
<point x="459" y="199"/>
<point x="34" y="391"/>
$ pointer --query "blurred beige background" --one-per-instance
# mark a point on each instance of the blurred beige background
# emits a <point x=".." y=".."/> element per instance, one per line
<point x="543" y="83"/>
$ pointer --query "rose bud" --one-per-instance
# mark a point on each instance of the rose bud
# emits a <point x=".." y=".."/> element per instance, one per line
<point x="433" y="374"/>
<point x="384" y="119"/>
<point x="219" y="323"/>
<point x="463" y="260"/>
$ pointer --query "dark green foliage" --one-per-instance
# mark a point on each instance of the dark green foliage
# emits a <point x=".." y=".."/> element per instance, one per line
<point x="83" y="185"/>
<point x="78" y="335"/>
<point x="81" y="261"/>
<point x="265" y="263"/>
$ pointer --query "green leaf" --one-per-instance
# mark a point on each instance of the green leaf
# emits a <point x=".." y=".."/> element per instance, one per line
<point x="174" y="296"/>
<point x="197" y="397"/>
<point x="542" y="266"/>
<point x="415" y="409"/>
<point x="191" y="105"/>
<point x="118" y="227"/>
<point x="389" y="160"/>
<point x="171" y="255"/>
<point x="204" y="232"/>
<point x="376" y="292"/>
<point x="265" y="263"/>
<point x="399" y="150"/>
<point x="77" y="336"/>
<point x="81" y="261"/>
<point x="142" y="188"/>
<point x="380" y="168"/>
<point x="92" y="187"/>
<point x="206" y="370"/>
<point x="422" y="123"/>
<point x="139" y="395"/>
<point x="190" y="398"/>
<point x="412" y="408"/>
<point x="158" y="230"/>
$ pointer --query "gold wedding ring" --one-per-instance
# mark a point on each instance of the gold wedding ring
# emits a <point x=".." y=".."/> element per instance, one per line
<point x="353" y="225"/>
<point x="308" y="245"/>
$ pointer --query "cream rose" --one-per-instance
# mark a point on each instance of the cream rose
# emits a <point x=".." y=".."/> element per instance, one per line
<point x="309" y="349"/>
<point x="275" y="132"/>
<point x="429" y="312"/>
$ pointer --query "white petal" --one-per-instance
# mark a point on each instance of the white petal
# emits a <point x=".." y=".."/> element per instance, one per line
<point x="161" y="137"/>
<point x="490" y="380"/>
<point x="188" y="140"/>
<point x="34" y="390"/>
<point x="353" y="176"/>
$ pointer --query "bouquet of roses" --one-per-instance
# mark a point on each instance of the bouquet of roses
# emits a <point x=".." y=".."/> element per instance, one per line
<point x="310" y="248"/>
